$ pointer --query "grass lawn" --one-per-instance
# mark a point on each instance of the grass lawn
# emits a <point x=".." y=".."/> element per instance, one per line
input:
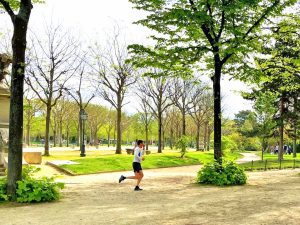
<point x="271" y="162"/>
<point x="106" y="163"/>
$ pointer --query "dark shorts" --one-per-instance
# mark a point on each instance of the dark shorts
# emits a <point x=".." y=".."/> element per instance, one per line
<point x="136" y="167"/>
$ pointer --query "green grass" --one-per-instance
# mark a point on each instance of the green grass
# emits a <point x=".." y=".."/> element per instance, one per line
<point x="271" y="164"/>
<point x="109" y="163"/>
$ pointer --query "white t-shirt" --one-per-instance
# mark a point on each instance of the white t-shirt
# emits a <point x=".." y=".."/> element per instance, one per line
<point x="138" y="154"/>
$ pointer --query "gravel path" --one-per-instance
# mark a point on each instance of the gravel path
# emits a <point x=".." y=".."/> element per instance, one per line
<point x="170" y="197"/>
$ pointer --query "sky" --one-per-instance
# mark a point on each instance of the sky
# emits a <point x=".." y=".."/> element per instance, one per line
<point x="92" y="20"/>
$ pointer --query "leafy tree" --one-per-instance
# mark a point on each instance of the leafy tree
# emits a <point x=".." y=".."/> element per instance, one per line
<point x="20" y="22"/>
<point x="277" y="73"/>
<point x="217" y="32"/>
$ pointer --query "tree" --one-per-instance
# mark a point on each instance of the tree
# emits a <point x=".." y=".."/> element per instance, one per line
<point x="31" y="107"/>
<point x="96" y="120"/>
<point x="146" y="116"/>
<point x="278" y="73"/>
<point x="115" y="76"/>
<point x="20" y="22"/>
<point x="82" y="102"/>
<point x="52" y="64"/>
<point x="181" y="95"/>
<point x="156" y="89"/>
<point x="200" y="111"/>
<point x="217" y="32"/>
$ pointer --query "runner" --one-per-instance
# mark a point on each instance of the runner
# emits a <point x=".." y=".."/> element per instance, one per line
<point x="137" y="168"/>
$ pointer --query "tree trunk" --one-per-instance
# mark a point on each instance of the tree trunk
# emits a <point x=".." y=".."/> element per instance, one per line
<point x="159" y="132"/>
<point x="198" y="138"/>
<point x="15" y="153"/>
<point x="67" y="136"/>
<point x="119" y="134"/>
<point x="114" y="142"/>
<point x="80" y="133"/>
<point x="280" y="153"/>
<point x="295" y="141"/>
<point x="54" y="137"/>
<point x="217" y="113"/>
<point x="295" y="130"/>
<point x="205" y="135"/>
<point x="47" y="132"/>
<point x="60" y="134"/>
<point x="183" y="123"/>
<point x="108" y="139"/>
<point x="28" y="133"/>
<point x="147" y="136"/>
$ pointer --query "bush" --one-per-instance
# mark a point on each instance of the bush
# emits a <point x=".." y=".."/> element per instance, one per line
<point x="3" y="196"/>
<point x="182" y="144"/>
<point x="30" y="189"/>
<point x="228" y="173"/>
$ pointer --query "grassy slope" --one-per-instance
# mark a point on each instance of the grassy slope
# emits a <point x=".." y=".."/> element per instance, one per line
<point x="124" y="162"/>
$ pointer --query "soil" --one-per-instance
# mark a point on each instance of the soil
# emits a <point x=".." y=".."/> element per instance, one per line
<point x="170" y="197"/>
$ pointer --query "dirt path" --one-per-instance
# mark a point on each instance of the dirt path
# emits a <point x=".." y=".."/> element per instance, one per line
<point x="248" y="157"/>
<point x="170" y="197"/>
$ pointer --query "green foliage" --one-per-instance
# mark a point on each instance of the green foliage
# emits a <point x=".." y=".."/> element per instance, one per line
<point x="182" y="144"/>
<point x="30" y="189"/>
<point x="3" y="184"/>
<point x="228" y="145"/>
<point x="228" y="173"/>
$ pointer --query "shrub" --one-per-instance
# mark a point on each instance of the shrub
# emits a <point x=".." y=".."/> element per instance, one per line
<point x="228" y="173"/>
<point x="182" y="144"/>
<point x="30" y="189"/>
<point x="3" y="196"/>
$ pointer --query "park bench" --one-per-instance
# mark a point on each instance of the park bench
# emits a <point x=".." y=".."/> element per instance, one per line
<point x="129" y="151"/>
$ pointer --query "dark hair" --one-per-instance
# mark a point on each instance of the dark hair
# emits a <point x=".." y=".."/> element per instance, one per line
<point x="140" y="142"/>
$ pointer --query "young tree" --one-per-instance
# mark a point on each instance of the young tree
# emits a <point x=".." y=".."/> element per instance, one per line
<point x="146" y="116"/>
<point x="218" y="32"/>
<point x="81" y="101"/>
<point x="31" y="107"/>
<point x="181" y="95"/>
<point x="115" y="76"/>
<point x="156" y="89"/>
<point x="201" y="110"/>
<point x="52" y="64"/>
<point x="20" y="22"/>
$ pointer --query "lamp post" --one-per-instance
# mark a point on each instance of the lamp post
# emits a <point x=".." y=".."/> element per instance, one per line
<point x="83" y="118"/>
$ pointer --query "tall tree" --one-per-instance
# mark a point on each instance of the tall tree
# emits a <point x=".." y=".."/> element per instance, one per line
<point x="201" y="110"/>
<point x="156" y="90"/>
<point x="52" y="63"/>
<point x="81" y="100"/>
<point x="278" y="72"/>
<point x="146" y="116"/>
<point x="20" y="22"/>
<point x="115" y="76"/>
<point x="218" y="32"/>
<point x="181" y="95"/>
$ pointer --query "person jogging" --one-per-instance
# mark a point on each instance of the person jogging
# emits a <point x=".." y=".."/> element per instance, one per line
<point x="137" y="167"/>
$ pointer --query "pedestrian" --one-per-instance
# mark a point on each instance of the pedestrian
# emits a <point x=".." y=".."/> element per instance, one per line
<point x="137" y="167"/>
<point x="276" y="150"/>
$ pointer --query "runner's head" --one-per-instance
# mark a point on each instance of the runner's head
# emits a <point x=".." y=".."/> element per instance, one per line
<point x="140" y="143"/>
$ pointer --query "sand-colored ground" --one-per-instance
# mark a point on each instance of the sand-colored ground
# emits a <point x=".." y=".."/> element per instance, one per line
<point x="170" y="196"/>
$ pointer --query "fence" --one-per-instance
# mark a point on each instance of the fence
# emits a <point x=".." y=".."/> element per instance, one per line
<point x="272" y="164"/>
